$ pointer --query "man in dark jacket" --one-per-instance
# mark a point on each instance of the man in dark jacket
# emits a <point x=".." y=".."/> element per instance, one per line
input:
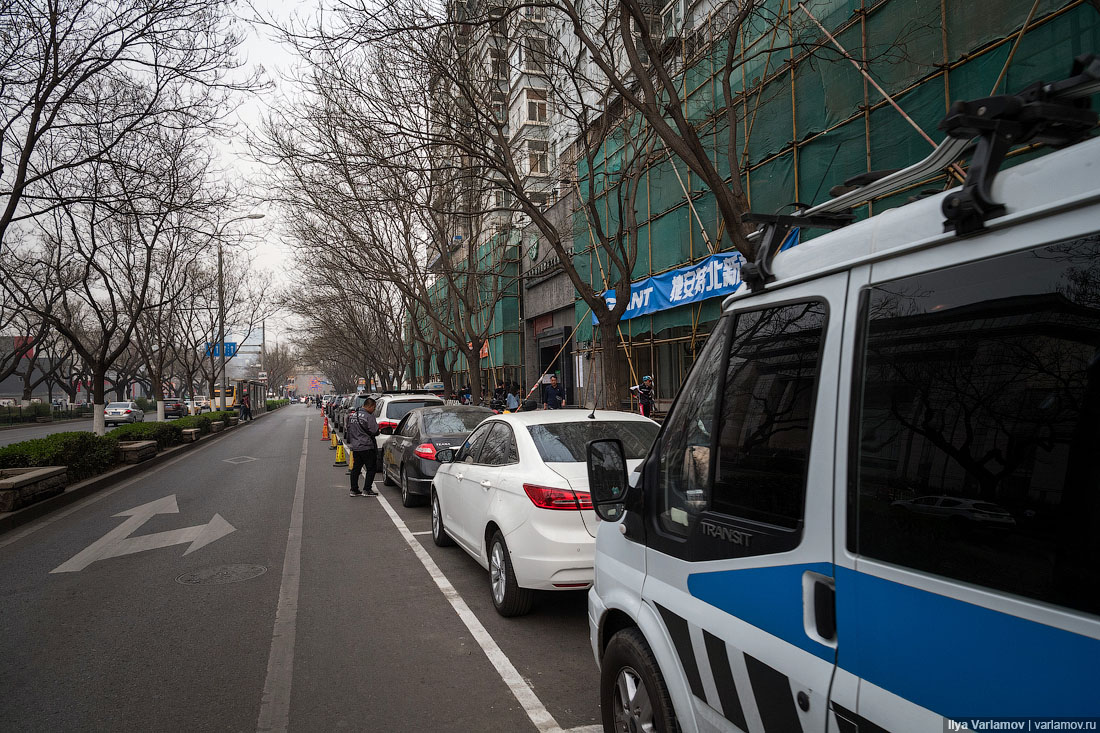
<point x="553" y="397"/>
<point x="362" y="431"/>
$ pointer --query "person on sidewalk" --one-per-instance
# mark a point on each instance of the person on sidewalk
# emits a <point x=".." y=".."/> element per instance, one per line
<point x="646" y="396"/>
<point x="553" y="397"/>
<point x="361" y="438"/>
<point x="246" y="407"/>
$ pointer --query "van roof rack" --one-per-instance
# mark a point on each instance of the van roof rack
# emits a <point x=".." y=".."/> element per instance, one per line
<point x="1053" y="113"/>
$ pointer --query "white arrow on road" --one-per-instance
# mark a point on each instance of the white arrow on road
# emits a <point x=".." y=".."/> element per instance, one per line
<point x="118" y="541"/>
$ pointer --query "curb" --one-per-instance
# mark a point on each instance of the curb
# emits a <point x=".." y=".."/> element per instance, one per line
<point x="77" y="491"/>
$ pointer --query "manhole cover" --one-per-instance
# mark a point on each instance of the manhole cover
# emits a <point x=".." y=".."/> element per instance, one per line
<point x="222" y="574"/>
<point x="238" y="460"/>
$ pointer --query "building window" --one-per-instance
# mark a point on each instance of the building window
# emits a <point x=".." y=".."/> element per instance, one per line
<point x="498" y="68"/>
<point x="535" y="56"/>
<point x="497" y="102"/>
<point x="536" y="105"/>
<point x="538" y="157"/>
<point x="535" y="13"/>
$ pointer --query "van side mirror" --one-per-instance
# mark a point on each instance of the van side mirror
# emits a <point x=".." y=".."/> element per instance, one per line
<point x="607" y="480"/>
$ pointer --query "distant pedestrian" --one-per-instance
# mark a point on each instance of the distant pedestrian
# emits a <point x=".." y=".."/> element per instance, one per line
<point x="511" y="400"/>
<point x="553" y="397"/>
<point x="362" y="436"/>
<point x="646" y="396"/>
<point x="246" y="407"/>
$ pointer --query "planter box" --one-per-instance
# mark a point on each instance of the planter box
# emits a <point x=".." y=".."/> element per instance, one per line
<point x="217" y="426"/>
<point x="22" y="486"/>
<point x="190" y="435"/>
<point x="136" y="451"/>
<point x="233" y="420"/>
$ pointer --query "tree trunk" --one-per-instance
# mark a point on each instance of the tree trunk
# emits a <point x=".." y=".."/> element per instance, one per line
<point x="99" y="392"/>
<point x="611" y="372"/>
<point x="473" y="372"/>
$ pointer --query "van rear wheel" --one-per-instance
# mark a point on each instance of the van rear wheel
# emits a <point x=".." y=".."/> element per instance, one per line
<point x="633" y="694"/>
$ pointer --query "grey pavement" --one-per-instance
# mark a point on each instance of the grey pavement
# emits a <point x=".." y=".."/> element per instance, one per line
<point x="122" y="646"/>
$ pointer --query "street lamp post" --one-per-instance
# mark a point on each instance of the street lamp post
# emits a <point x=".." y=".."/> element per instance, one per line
<point x="221" y="306"/>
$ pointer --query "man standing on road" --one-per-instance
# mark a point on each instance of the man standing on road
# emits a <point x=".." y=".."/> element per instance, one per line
<point x="362" y="431"/>
<point x="552" y="397"/>
<point x="246" y="407"/>
<point x="646" y="396"/>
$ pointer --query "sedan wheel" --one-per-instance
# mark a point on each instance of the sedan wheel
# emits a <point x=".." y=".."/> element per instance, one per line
<point x="407" y="498"/>
<point x="508" y="598"/>
<point x="439" y="536"/>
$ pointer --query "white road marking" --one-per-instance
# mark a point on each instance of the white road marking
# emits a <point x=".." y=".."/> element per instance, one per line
<point x="118" y="541"/>
<point x="99" y="495"/>
<point x="530" y="702"/>
<point x="238" y="460"/>
<point x="418" y="534"/>
<point x="275" y="703"/>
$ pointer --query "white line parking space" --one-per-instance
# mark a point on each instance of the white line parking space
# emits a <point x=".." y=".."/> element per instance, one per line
<point x="530" y="702"/>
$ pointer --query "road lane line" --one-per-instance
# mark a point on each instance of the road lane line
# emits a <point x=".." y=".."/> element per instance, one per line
<point x="530" y="702"/>
<point x="418" y="534"/>
<point x="275" y="703"/>
<point x="49" y="519"/>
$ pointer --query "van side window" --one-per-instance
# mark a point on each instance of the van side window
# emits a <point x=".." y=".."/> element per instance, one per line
<point x="767" y="411"/>
<point x="685" y="441"/>
<point x="976" y="424"/>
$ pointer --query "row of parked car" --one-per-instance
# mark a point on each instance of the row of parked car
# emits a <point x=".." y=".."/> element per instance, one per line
<point x="509" y="489"/>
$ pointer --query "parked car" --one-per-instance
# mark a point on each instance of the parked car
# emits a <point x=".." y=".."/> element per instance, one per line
<point x="393" y="407"/>
<point x="122" y="412"/>
<point x="174" y="407"/>
<point x="410" y="457"/>
<point x="523" y="477"/>
<point x="435" y="388"/>
<point x="958" y="509"/>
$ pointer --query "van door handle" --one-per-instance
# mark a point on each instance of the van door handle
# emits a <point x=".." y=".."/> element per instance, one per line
<point x="460" y="476"/>
<point x="486" y="484"/>
<point x="819" y="608"/>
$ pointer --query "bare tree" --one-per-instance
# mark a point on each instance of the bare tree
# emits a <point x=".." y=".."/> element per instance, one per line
<point x="80" y="78"/>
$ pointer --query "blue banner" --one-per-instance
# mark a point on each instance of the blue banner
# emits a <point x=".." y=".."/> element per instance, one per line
<point x="719" y="274"/>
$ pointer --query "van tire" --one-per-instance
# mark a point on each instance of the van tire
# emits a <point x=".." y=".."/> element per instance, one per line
<point x="629" y="657"/>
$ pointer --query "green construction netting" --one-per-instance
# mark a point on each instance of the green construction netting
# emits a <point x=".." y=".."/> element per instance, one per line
<point x="771" y="186"/>
<point x="904" y="44"/>
<point x="829" y="159"/>
<point x="670" y="239"/>
<point x="971" y="25"/>
<point x="894" y="142"/>
<point x="768" y="120"/>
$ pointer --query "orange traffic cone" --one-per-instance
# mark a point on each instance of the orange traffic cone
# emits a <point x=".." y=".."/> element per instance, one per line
<point x="324" y="431"/>
<point x="341" y="459"/>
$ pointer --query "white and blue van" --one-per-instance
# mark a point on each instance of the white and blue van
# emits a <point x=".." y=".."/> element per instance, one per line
<point x="875" y="503"/>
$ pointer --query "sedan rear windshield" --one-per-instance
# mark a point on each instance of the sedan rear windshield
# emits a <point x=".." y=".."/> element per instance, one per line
<point x="121" y="405"/>
<point x="568" y="442"/>
<point x="443" y="423"/>
<point x="397" y="410"/>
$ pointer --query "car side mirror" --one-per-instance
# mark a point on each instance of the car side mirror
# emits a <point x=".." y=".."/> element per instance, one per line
<point x="387" y="431"/>
<point x="447" y="455"/>
<point x="607" y="480"/>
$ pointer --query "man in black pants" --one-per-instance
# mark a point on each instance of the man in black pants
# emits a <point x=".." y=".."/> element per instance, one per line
<point x="362" y="431"/>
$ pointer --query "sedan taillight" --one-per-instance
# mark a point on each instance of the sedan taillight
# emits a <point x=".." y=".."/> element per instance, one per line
<point x="128" y="412"/>
<point x="386" y="424"/>
<point x="547" y="497"/>
<point x="426" y="450"/>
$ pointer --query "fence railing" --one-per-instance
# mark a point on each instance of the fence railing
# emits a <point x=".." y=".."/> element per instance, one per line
<point x="18" y="414"/>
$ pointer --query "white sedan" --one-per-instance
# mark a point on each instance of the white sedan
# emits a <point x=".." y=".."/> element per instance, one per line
<point x="516" y="498"/>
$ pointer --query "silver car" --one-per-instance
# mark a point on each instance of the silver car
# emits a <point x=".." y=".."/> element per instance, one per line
<point x="122" y="412"/>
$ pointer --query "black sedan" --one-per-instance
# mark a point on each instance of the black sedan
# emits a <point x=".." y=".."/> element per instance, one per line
<point x="174" y="407"/>
<point x="409" y="457"/>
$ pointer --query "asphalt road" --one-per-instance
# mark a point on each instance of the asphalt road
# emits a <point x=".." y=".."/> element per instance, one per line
<point x="41" y="430"/>
<point x="368" y="642"/>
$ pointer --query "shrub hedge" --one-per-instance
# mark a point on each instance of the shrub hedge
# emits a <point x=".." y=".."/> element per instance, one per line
<point x="85" y="454"/>
<point x="202" y="422"/>
<point x="276" y="404"/>
<point x="166" y="434"/>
